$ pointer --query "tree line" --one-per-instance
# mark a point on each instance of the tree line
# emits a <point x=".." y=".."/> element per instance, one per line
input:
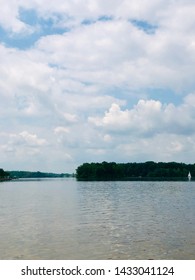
<point x="37" y="174"/>
<point x="5" y="175"/>
<point x="134" y="171"/>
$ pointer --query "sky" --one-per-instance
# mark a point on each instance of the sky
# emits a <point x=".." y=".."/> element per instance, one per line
<point x="95" y="80"/>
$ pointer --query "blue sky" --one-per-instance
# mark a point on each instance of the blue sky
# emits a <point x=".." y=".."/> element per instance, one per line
<point x="84" y="81"/>
<point x="38" y="27"/>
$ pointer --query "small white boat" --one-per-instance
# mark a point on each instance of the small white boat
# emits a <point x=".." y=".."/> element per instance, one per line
<point x="189" y="176"/>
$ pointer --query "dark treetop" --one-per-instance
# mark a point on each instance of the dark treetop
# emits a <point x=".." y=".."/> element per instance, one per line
<point x="3" y="175"/>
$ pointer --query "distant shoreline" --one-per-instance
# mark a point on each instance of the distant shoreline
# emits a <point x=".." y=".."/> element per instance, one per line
<point x="36" y="174"/>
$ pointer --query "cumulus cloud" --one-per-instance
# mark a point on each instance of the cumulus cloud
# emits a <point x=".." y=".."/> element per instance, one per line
<point x="149" y="117"/>
<point x="23" y="139"/>
<point x="22" y="150"/>
<point x="10" y="17"/>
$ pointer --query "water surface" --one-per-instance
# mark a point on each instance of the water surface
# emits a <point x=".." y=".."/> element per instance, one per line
<point x="66" y="219"/>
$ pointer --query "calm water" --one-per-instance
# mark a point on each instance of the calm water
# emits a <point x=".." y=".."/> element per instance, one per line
<point x="65" y="219"/>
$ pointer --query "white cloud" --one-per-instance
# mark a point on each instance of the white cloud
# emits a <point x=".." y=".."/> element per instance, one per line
<point x="61" y="129"/>
<point x="141" y="118"/>
<point x="10" y="17"/>
<point x="31" y="139"/>
<point x="21" y="149"/>
<point x="149" y="117"/>
<point x="23" y="139"/>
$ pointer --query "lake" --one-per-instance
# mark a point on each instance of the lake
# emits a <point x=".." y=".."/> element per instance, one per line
<point x="66" y="219"/>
